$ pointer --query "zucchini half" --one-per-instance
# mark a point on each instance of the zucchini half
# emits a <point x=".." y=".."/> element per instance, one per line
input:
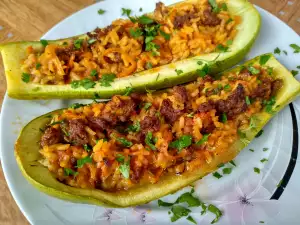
<point x="160" y="77"/>
<point x="27" y="155"/>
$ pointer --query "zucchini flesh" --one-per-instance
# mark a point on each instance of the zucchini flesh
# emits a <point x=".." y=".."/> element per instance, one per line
<point x="27" y="155"/>
<point x="157" y="78"/>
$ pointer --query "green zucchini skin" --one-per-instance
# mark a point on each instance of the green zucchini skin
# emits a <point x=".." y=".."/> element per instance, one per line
<point x="27" y="156"/>
<point x="157" y="78"/>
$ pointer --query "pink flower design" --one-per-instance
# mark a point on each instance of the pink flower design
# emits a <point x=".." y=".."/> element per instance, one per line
<point x="140" y="216"/>
<point x="104" y="216"/>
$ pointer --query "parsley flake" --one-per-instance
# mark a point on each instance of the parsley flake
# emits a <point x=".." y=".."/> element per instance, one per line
<point x="189" y="199"/>
<point x="136" y="127"/>
<point x="232" y="163"/>
<point x="25" y="77"/>
<point x="94" y="73"/>
<point x="125" y="169"/>
<point x="128" y="91"/>
<point x="213" y="209"/>
<point x="214" y="6"/>
<point x="277" y="51"/>
<point x="265" y="149"/>
<point x="150" y="141"/>
<point x="223" y="118"/>
<point x="222" y="48"/>
<point x="264" y="160"/>
<point x="178" y="212"/>
<point x="256" y="170"/>
<point x="178" y="71"/>
<point x="203" y="139"/>
<point x="294" y="72"/>
<point x="251" y="150"/>
<point x="126" y="12"/>
<point x="264" y="59"/>
<point x="165" y="35"/>
<point x="148" y="65"/>
<point x="120" y="157"/>
<point x="137" y="32"/>
<point x="191" y="219"/>
<point x="295" y="47"/>
<point x="124" y="142"/>
<point x="107" y="79"/>
<point x="181" y="143"/>
<point x="101" y="11"/>
<point x="248" y="102"/>
<point x="164" y="204"/>
<point x="227" y="88"/>
<point x="87" y="147"/>
<point x="147" y="105"/>
<point x="44" y="42"/>
<point x="81" y="162"/>
<point x="38" y="65"/>
<point x="204" y="71"/>
<point x="85" y="83"/>
<point x="253" y="70"/>
<point x="78" y="43"/>
<point x="227" y="170"/>
<point x="68" y="172"/>
<point x="217" y="175"/>
<point x="259" y="133"/>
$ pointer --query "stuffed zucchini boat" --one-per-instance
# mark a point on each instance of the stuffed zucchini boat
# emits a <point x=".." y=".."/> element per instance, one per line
<point x="156" y="50"/>
<point x="137" y="148"/>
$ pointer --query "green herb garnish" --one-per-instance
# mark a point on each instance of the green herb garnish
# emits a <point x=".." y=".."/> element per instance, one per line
<point x="265" y="149"/>
<point x="227" y="87"/>
<point x="68" y="172"/>
<point x="178" y="212"/>
<point x="165" y="35"/>
<point x="44" y="42"/>
<point x="87" y="147"/>
<point x="277" y="51"/>
<point x="101" y="11"/>
<point x="77" y="43"/>
<point x="213" y="209"/>
<point x="253" y="70"/>
<point x="25" y="77"/>
<point x="222" y="48"/>
<point x="128" y="91"/>
<point x="223" y="118"/>
<point x="191" y="219"/>
<point x="164" y="204"/>
<point x="81" y="162"/>
<point x="227" y="170"/>
<point x="203" y="139"/>
<point x="181" y="143"/>
<point x="94" y="73"/>
<point x="229" y="20"/>
<point x="190" y="115"/>
<point x="38" y="65"/>
<point x="259" y="133"/>
<point x="137" y="32"/>
<point x="136" y="127"/>
<point x="214" y="6"/>
<point x="189" y="199"/>
<point x="178" y="71"/>
<point x="150" y="141"/>
<point x="269" y="105"/>
<point x="263" y="160"/>
<point x="256" y="170"/>
<point x="147" y="105"/>
<point x="248" y="102"/>
<point x="204" y="71"/>
<point x="124" y="142"/>
<point x="232" y="163"/>
<point x="85" y="83"/>
<point x="126" y="12"/>
<point x="148" y="65"/>
<point x="217" y="175"/>
<point x="91" y="41"/>
<point x="107" y="79"/>
<point x="294" y="72"/>
<point x="295" y="47"/>
<point x="264" y="59"/>
<point x="125" y="169"/>
<point x="120" y="157"/>
<point x="251" y="150"/>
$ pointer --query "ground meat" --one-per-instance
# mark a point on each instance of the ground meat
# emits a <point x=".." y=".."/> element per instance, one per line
<point x="150" y="123"/>
<point x="179" y="21"/>
<point x="181" y="94"/>
<point x="136" y="173"/>
<point x="234" y="104"/>
<point x="263" y="90"/>
<point x="206" y="106"/>
<point x="73" y="161"/>
<point x="114" y="58"/>
<point x="97" y="123"/>
<point x="168" y="111"/>
<point x="51" y="136"/>
<point x="160" y="11"/>
<point x="210" y="18"/>
<point x="78" y="135"/>
<point x="207" y="123"/>
<point x="276" y="85"/>
<point x="98" y="32"/>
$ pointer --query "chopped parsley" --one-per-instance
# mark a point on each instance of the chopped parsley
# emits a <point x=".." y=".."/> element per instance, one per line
<point x="261" y="221"/>
<point x="217" y="175"/>
<point x="120" y="157"/>
<point x="221" y="165"/>
<point x="298" y="67"/>
<point x="148" y="65"/>
<point x="256" y="170"/>
<point x="214" y="6"/>
<point x="181" y="143"/>
<point x="227" y="87"/>
<point x="191" y="219"/>
<point x="232" y="163"/>
<point x="77" y="43"/>
<point x="137" y="32"/>
<point x="190" y="115"/>
<point x="91" y="41"/>
<point x="221" y="48"/>
<point x="253" y="70"/>
<point x="107" y="79"/>
<point x="264" y="160"/>
<point x="204" y="71"/>
<point x="56" y="122"/>
<point x="264" y="59"/>
<point x="87" y="147"/>
<point x="213" y="209"/>
<point x="81" y="162"/>
<point x="150" y="141"/>
<point x="265" y="149"/>
<point x="38" y="65"/>
<point x="285" y="52"/>
<point x="251" y="150"/>
<point x="165" y="35"/>
<point x="269" y="105"/>
<point x="125" y="169"/>
<point x="126" y="12"/>
<point x="277" y="51"/>
<point x="141" y="9"/>
<point x="136" y="127"/>
<point x="189" y="199"/>
<point x="178" y="212"/>
<point x="199" y="63"/>
<point x="259" y="133"/>
<point x="227" y="170"/>
<point x="101" y="11"/>
<point x="94" y="73"/>
<point x="294" y="72"/>
<point x="145" y="20"/>
<point x="229" y="20"/>
<point x="295" y="47"/>
<point x="124" y="142"/>
<point x="68" y="172"/>
<point x="85" y="83"/>
<point x="203" y="139"/>
<point x="270" y="70"/>
<point x="224" y="6"/>
<point x="44" y="42"/>
<point x="178" y="71"/>
<point x="164" y="204"/>
<point x="279" y="184"/>
<point x="128" y="91"/>
<point x="248" y="102"/>
<point x="223" y="118"/>
<point x="25" y="77"/>
<point x="147" y="105"/>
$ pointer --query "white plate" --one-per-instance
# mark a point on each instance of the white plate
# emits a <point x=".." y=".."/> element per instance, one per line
<point x="280" y="136"/>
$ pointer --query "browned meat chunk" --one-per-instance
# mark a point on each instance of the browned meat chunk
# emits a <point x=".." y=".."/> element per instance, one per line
<point x="150" y="123"/>
<point x="234" y="104"/>
<point x="263" y="90"/>
<point x="51" y="136"/>
<point x="180" y="21"/>
<point x="181" y="94"/>
<point x="97" y="123"/>
<point x="206" y="106"/>
<point x="78" y="135"/>
<point x="210" y="18"/>
<point x="276" y="85"/>
<point x="168" y="111"/>
<point x="188" y="125"/>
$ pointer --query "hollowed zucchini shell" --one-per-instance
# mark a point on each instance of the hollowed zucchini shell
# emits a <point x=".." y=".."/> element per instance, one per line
<point x="27" y="155"/>
<point x="156" y="78"/>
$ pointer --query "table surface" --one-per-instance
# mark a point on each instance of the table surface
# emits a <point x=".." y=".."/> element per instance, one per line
<point x="30" y="19"/>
